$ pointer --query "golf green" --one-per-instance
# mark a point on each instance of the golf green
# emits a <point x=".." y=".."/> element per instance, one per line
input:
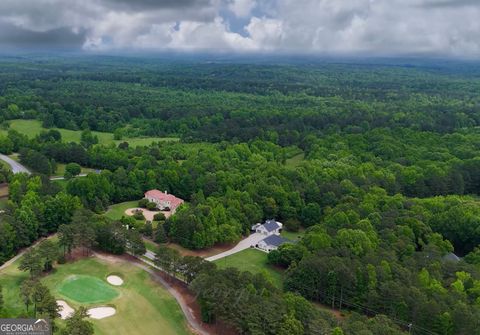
<point x="87" y="289"/>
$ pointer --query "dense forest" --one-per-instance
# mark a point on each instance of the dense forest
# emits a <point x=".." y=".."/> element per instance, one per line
<point x="377" y="161"/>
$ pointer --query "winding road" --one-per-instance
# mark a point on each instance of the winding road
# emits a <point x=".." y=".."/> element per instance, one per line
<point x="16" y="166"/>
<point x="19" y="168"/>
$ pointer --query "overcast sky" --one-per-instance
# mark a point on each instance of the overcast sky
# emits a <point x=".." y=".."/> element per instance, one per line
<point x="377" y="27"/>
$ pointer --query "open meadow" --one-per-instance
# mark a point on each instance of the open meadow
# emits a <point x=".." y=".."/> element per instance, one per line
<point x="32" y="128"/>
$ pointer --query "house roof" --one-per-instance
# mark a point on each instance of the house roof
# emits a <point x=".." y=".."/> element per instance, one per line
<point x="271" y="225"/>
<point x="274" y="240"/>
<point x="161" y="196"/>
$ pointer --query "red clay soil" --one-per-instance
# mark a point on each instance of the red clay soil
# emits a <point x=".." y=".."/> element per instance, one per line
<point x="336" y="313"/>
<point x="77" y="254"/>
<point x="203" y="252"/>
<point x="4" y="190"/>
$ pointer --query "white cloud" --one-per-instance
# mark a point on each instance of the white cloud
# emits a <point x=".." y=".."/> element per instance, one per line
<point x="266" y="33"/>
<point x="209" y="36"/>
<point x="242" y="8"/>
<point x="305" y="26"/>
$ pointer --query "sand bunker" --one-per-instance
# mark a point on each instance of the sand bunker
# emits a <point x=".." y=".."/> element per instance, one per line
<point x="65" y="310"/>
<point x="115" y="280"/>
<point x="101" y="312"/>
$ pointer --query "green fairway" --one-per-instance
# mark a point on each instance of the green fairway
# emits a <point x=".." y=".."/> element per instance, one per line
<point x="32" y="128"/>
<point x="254" y="261"/>
<point x="86" y="289"/>
<point x="142" y="305"/>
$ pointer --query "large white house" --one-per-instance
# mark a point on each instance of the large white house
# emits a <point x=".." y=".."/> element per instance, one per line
<point x="164" y="200"/>
<point x="270" y="227"/>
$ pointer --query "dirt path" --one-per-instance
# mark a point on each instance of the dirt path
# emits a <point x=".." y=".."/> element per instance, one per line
<point x="194" y="325"/>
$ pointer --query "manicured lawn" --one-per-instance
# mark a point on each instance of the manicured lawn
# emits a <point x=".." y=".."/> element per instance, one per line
<point x="254" y="261"/>
<point x="292" y="236"/>
<point x="115" y="212"/>
<point x="32" y="128"/>
<point x="142" y="306"/>
<point x="11" y="280"/>
<point x="150" y="245"/>
<point x="86" y="289"/>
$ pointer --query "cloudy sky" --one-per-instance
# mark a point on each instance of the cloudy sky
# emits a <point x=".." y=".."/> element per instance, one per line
<point x="379" y="27"/>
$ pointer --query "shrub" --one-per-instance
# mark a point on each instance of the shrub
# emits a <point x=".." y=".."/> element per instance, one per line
<point x="61" y="259"/>
<point x="151" y="206"/>
<point x="138" y="215"/>
<point x="72" y="170"/>
<point x="159" y="217"/>
<point x="143" y="203"/>
<point x="147" y="229"/>
<point x="160" y="234"/>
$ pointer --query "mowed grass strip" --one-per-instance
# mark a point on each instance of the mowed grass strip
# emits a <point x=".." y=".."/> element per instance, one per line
<point x="87" y="289"/>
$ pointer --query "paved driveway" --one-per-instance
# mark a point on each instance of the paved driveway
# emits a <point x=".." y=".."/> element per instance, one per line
<point x="246" y="243"/>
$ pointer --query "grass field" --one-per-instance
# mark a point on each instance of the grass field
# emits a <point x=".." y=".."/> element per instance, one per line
<point x="31" y="128"/>
<point x="142" y="306"/>
<point x="86" y="289"/>
<point x="292" y="236"/>
<point x="150" y="245"/>
<point x="115" y="212"/>
<point x="254" y="261"/>
<point x="295" y="160"/>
